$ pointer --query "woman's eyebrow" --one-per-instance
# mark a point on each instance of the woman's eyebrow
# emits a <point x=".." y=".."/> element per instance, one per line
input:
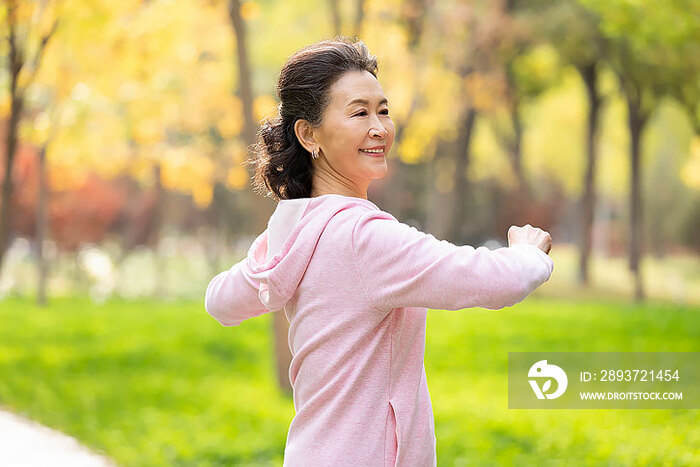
<point x="365" y="101"/>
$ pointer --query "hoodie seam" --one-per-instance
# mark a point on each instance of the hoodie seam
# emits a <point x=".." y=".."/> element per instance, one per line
<point x="357" y="267"/>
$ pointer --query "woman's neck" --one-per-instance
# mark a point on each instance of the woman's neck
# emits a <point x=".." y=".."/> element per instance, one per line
<point x="322" y="186"/>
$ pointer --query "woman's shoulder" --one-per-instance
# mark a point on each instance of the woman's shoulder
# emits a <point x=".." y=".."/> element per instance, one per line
<point x="349" y="217"/>
<point x="362" y="212"/>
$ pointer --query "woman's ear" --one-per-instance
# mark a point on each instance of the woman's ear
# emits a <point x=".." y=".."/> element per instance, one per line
<point x="305" y="134"/>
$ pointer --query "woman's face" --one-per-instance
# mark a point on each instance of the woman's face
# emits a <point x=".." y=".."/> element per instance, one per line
<point x="356" y="118"/>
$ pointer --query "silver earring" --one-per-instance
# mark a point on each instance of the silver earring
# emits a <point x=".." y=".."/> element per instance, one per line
<point x="315" y="154"/>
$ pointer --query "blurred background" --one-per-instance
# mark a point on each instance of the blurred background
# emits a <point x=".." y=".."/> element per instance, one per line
<point x="124" y="128"/>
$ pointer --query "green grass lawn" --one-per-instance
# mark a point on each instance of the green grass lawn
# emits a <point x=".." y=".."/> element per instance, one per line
<point x="153" y="384"/>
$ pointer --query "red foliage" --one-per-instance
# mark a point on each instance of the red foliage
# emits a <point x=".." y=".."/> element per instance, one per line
<point x="83" y="214"/>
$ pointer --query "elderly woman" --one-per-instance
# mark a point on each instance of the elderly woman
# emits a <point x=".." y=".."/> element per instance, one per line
<point x="354" y="282"/>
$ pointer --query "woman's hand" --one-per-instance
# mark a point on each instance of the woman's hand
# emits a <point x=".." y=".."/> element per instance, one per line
<point x="530" y="235"/>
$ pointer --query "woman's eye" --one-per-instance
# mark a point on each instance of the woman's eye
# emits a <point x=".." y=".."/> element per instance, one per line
<point x="384" y="112"/>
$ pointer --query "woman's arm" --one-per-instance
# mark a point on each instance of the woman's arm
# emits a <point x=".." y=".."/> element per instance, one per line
<point x="401" y="266"/>
<point x="232" y="296"/>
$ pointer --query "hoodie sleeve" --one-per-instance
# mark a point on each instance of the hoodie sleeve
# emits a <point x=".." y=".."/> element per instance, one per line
<point x="232" y="296"/>
<point x="400" y="266"/>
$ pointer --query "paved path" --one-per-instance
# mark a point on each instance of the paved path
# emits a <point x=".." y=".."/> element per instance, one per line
<point x="25" y="443"/>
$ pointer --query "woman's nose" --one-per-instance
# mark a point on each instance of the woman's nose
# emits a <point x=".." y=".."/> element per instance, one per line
<point x="375" y="133"/>
<point x="378" y="129"/>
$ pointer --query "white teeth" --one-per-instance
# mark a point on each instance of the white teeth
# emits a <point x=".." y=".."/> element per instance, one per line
<point x="373" y="151"/>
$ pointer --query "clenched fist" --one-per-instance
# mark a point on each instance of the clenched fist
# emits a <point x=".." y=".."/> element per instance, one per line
<point x="530" y="235"/>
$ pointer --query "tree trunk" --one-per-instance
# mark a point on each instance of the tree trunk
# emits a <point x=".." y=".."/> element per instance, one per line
<point x="412" y="13"/>
<point x="245" y="88"/>
<point x="456" y="224"/>
<point x="438" y="205"/>
<point x="517" y="149"/>
<point x="246" y="95"/>
<point x="16" y="106"/>
<point x="42" y="221"/>
<point x="128" y="230"/>
<point x="212" y="239"/>
<point x="359" y="16"/>
<point x="519" y="197"/>
<point x="514" y="145"/>
<point x="589" y="75"/>
<point x="261" y="208"/>
<point x="17" y="58"/>
<point x="335" y="16"/>
<point x="156" y="227"/>
<point x="636" y="121"/>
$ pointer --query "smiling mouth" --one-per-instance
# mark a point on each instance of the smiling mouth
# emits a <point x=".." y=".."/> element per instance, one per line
<point x="373" y="152"/>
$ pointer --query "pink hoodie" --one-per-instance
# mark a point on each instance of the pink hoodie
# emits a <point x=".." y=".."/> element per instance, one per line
<point x="355" y="285"/>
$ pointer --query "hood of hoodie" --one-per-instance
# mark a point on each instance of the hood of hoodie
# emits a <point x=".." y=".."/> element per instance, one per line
<point x="279" y="256"/>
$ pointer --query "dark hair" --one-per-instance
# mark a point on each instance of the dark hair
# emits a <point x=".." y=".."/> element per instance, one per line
<point x="283" y="166"/>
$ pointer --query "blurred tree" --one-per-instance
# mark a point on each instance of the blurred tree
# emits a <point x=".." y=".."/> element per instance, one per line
<point x="669" y="201"/>
<point x="479" y="65"/>
<point x="465" y="79"/>
<point x="280" y="325"/>
<point x="522" y="83"/>
<point x="260" y="207"/>
<point x="337" y="21"/>
<point x="82" y="213"/>
<point x="335" y="16"/>
<point x="167" y="117"/>
<point x="574" y="31"/>
<point x="648" y="44"/>
<point x="50" y="107"/>
<point x="523" y="61"/>
<point x="42" y="226"/>
<point x="245" y="89"/>
<point x="394" y="193"/>
<point x="28" y="28"/>
<point x="458" y="85"/>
